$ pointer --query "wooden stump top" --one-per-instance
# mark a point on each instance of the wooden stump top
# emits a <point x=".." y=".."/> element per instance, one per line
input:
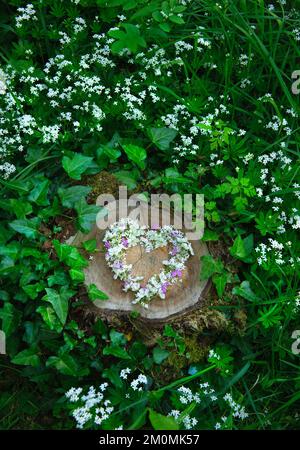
<point x="180" y="297"/>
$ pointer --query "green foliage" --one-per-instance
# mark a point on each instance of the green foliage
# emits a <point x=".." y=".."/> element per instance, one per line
<point x="148" y="93"/>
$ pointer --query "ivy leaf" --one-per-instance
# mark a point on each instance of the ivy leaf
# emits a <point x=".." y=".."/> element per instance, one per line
<point x="210" y="266"/>
<point x="10" y="318"/>
<point x="50" y="318"/>
<point x="69" y="196"/>
<point x="39" y="193"/>
<point x="28" y="227"/>
<point x="126" y="177"/>
<point x="220" y="281"/>
<point x="59" y="301"/>
<point x="96" y="294"/>
<point x="242" y="248"/>
<point x="117" y="351"/>
<point x="66" y="364"/>
<point x="162" y="137"/>
<point x="77" y="165"/>
<point x="159" y="355"/>
<point x="130" y="39"/>
<point x="136" y="154"/>
<point x="69" y="255"/>
<point x="160" y="422"/>
<point x="20" y="208"/>
<point x="90" y="245"/>
<point x="86" y="215"/>
<point x="245" y="291"/>
<point x="27" y="357"/>
<point x="77" y="275"/>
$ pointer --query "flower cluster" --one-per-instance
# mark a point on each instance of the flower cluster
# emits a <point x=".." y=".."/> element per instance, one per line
<point x="205" y="395"/>
<point x="128" y="233"/>
<point x="91" y="408"/>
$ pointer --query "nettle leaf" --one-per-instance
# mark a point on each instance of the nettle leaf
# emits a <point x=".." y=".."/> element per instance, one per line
<point x="86" y="215"/>
<point x="10" y="318"/>
<point x="162" y="137"/>
<point x="210" y="266"/>
<point x="28" y="227"/>
<point x="71" y="195"/>
<point x="136" y="154"/>
<point x="59" y="301"/>
<point x="77" y="165"/>
<point x="39" y="193"/>
<point x="95" y="293"/>
<point x="27" y="357"/>
<point x="130" y="39"/>
<point x="160" y="422"/>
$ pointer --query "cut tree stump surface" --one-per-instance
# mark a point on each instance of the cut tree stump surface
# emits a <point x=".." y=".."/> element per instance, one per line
<point x="180" y="297"/>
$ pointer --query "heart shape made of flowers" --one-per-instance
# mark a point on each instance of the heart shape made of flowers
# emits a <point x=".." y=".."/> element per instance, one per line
<point x="128" y="233"/>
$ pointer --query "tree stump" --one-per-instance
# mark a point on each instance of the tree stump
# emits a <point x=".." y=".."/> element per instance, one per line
<point x="181" y="297"/>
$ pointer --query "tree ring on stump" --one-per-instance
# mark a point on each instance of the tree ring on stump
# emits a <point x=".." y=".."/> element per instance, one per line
<point x="180" y="298"/>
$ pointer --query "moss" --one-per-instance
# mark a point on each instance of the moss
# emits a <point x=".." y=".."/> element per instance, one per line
<point x="102" y="183"/>
<point x="196" y="349"/>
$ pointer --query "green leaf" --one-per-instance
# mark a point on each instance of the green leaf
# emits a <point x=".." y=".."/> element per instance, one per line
<point x="10" y="318"/>
<point x="27" y="357"/>
<point x="136" y="154"/>
<point x="126" y="177"/>
<point x="90" y="245"/>
<point x="245" y="291"/>
<point x="71" y="195"/>
<point x="28" y="227"/>
<point x="160" y="422"/>
<point x="95" y="293"/>
<point x="50" y="318"/>
<point x="65" y="364"/>
<point x="220" y="281"/>
<point x="39" y="193"/>
<point x="77" y="165"/>
<point x="86" y="215"/>
<point x="20" y="208"/>
<point x="242" y="248"/>
<point x="159" y="354"/>
<point x="117" y="351"/>
<point x="209" y="266"/>
<point x="77" y="275"/>
<point x="129" y="39"/>
<point x="162" y="137"/>
<point x="59" y="301"/>
<point x="69" y="255"/>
